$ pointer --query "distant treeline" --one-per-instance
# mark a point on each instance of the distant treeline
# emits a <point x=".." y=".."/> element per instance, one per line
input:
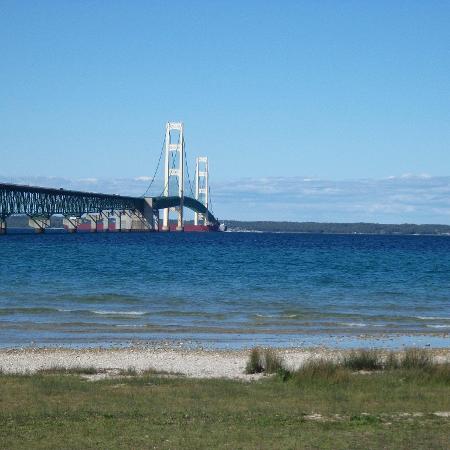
<point x="337" y="228"/>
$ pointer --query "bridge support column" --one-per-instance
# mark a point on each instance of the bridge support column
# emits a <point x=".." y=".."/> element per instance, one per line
<point x="151" y="215"/>
<point x="136" y="220"/>
<point x="73" y="225"/>
<point x="174" y="154"/>
<point x="126" y="221"/>
<point x="40" y="227"/>
<point x="201" y="187"/>
<point x="120" y="221"/>
<point x="2" y="225"/>
<point x="143" y="224"/>
<point x="104" y="216"/>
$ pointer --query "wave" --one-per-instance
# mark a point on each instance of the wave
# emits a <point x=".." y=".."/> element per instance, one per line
<point x="181" y="313"/>
<point x="437" y="326"/>
<point x="49" y="311"/>
<point x="104" y="313"/>
<point x="353" y="324"/>
<point x="119" y="313"/>
<point x="432" y="318"/>
<point x="97" y="298"/>
<point x="277" y="316"/>
<point x="27" y="310"/>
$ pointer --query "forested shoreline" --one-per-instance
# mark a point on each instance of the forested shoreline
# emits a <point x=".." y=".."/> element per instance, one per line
<point x="337" y="228"/>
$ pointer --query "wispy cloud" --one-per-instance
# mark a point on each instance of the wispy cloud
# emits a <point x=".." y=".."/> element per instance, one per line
<point x="125" y="186"/>
<point x="404" y="198"/>
<point x="396" y="199"/>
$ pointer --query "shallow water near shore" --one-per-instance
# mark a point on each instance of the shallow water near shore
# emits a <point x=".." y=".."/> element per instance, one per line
<point x="224" y="290"/>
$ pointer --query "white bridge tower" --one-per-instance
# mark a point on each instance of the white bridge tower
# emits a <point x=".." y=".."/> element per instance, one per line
<point x="201" y="187"/>
<point x="174" y="154"/>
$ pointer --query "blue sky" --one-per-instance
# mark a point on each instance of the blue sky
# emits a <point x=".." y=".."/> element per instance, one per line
<point x="350" y="94"/>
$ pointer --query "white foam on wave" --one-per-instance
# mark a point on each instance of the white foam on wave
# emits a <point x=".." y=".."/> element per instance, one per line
<point x="437" y="326"/>
<point x="432" y="318"/>
<point x="105" y="313"/>
<point x="275" y="316"/>
<point x="120" y="313"/>
<point x="353" y="324"/>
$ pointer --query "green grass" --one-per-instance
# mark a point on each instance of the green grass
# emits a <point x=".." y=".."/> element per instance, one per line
<point x="324" y="406"/>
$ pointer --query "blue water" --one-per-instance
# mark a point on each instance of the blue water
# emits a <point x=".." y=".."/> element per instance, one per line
<point x="224" y="289"/>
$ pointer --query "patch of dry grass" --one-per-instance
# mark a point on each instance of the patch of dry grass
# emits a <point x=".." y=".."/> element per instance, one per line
<point x="58" y="370"/>
<point x="363" y="360"/>
<point x="264" y="361"/>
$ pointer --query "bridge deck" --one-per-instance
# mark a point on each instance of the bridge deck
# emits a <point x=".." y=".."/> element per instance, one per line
<point x="41" y="201"/>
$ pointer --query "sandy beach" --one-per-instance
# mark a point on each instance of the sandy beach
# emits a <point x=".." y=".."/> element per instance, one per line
<point x="190" y="363"/>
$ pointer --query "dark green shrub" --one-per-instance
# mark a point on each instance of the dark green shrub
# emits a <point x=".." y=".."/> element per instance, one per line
<point x="321" y="370"/>
<point x="391" y="362"/>
<point x="129" y="372"/>
<point x="363" y="360"/>
<point x="267" y="361"/>
<point x="272" y="362"/>
<point x="254" y="363"/>
<point x="415" y="358"/>
<point x="69" y="371"/>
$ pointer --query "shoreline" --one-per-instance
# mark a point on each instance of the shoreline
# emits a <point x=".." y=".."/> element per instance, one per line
<point x="191" y="363"/>
<point x="238" y="341"/>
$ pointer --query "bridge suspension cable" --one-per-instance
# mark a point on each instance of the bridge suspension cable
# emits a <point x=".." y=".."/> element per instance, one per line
<point x="172" y="163"/>
<point x="210" y="206"/>
<point x="176" y="165"/>
<point x="173" y="156"/>
<point x="157" y="167"/>
<point x="187" y="168"/>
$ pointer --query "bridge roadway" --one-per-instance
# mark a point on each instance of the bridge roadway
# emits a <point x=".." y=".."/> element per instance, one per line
<point x="39" y="201"/>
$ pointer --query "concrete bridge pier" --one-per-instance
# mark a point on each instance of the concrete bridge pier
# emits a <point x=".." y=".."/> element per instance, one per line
<point x="180" y="223"/>
<point x="151" y="214"/>
<point x="70" y="223"/>
<point x="2" y="225"/>
<point x="121" y="214"/>
<point x="39" y="223"/>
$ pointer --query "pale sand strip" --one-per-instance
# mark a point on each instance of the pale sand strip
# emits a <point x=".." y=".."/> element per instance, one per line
<point x="191" y="363"/>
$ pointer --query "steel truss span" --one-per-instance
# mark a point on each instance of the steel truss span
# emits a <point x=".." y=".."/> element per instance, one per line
<point x="188" y="202"/>
<point x="37" y="201"/>
<point x="44" y="202"/>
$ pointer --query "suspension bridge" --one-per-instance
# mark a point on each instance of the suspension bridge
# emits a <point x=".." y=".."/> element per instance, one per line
<point x="77" y="210"/>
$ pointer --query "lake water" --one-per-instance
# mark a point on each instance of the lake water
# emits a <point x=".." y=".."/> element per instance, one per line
<point x="224" y="290"/>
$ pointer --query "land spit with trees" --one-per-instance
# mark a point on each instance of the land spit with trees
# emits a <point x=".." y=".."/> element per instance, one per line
<point x="337" y="228"/>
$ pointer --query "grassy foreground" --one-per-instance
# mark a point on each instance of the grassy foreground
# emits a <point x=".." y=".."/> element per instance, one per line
<point x="387" y="409"/>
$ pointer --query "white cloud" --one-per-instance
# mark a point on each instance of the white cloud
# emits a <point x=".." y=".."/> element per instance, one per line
<point x="397" y="199"/>
<point x="405" y="198"/>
